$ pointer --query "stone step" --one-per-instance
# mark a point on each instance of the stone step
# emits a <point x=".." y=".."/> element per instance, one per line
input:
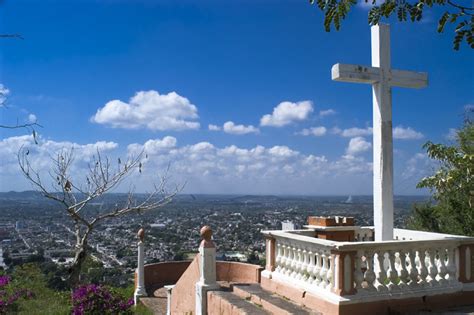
<point x="227" y="303"/>
<point x="269" y="301"/>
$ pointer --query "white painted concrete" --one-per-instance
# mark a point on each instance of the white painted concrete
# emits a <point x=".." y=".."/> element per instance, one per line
<point x="382" y="78"/>
<point x="207" y="280"/>
<point x="140" y="289"/>
<point x="169" y="289"/>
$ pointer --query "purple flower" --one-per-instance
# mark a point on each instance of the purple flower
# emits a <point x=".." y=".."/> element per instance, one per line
<point x="4" y="280"/>
<point x="9" y="295"/>
<point x="94" y="298"/>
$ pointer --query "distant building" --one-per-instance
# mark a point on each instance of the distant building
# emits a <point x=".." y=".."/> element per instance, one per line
<point x="287" y="225"/>
<point x="158" y="225"/>
<point x="20" y="225"/>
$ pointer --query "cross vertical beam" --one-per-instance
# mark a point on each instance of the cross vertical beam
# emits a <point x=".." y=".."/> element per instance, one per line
<point x="382" y="135"/>
<point x="382" y="78"/>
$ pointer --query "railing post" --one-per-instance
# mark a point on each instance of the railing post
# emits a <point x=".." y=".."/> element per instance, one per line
<point x="270" y="253"/>
<point x="140" y="272"/>
<point x="344" y="267"/>
<point x="207" y="269"/>
<point x="169" y="289"/>
<point x="465" y="263"/>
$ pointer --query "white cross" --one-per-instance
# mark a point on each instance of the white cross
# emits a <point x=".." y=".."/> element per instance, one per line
<point x="382" y="78"/>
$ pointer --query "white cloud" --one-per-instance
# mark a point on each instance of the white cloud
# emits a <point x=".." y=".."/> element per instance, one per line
<point x="352" y="132"/>
<point x="32" y="118"/>
<point x="452" y="134"/>
<point x="286" y="113"/>
<point x="230" y="127"/>
<point x="153" y="146"/>
<point x="417" y="167"/>
<point x="237" y="168"/>
<point x="327" y="112"/>
<point x="357" y="145"/>
<point x="40" y="154"/>
<point x="3" y="93"/>
<point x="314" y="131"/>
<point x="400" y="132"/>
<point x="282" y="151"/>
<point x="205" y="167"/>
<point x="212" y="127"/>
<point x="151" y="110"/>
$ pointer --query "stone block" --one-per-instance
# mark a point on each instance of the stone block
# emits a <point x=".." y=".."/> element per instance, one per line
<point x="331" y="221"/>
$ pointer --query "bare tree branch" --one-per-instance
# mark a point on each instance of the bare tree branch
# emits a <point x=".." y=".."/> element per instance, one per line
<point x="100" y="179"/>
<point x="11" y="36"/>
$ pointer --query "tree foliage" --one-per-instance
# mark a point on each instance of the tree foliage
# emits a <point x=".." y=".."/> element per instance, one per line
<point x="335" y="11"/>
<point x="452" y="187"/>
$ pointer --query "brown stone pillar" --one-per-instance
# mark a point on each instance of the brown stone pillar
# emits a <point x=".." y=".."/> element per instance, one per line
<point x="344" y="266"/>
<point x="270" y="250"/>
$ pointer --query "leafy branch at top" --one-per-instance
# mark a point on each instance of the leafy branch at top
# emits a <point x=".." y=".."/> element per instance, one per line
<point x="459" y="15"/>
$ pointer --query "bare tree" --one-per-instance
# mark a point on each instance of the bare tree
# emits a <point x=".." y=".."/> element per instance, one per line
<point x="101" y="178"/>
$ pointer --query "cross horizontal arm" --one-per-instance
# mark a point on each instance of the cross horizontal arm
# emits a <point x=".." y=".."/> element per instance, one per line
<point x="371" y="75"/>
<point x="408" y="79"/>
<point x="355" y="73"/>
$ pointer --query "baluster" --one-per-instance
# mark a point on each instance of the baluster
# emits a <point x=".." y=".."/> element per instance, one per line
<point x="423" y="270"/>
<point x="299" y="265"/>
<point x="283" y="259"/>
<point x="370" y="273"/>
<point x="432" y="270"/>
<point x="289" y="260"/>
<point x="323" y="271"/>
<point x="297" y="273"/>
<point x="330" y="273"/>
<point x="442" y="270"/>
<point x="402" y="269"/>
<point x="412" y="270"/>
<point x="317" y="268"/>
<point x="294" y="261"/>
<point x="451" y="265"/>
<point x="278" y="257"/>
<point x="310" y="267"/>
<point x="358" y="275"/>
<point x="391" y="271"/>
<point x="287" y="265"/>
<point x="304" y="266"/>
<point x="380" y="274"/>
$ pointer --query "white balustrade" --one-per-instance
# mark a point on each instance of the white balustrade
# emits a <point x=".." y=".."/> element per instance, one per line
<point x="396" y="267"/>
<point x="414" y="265"/>
<point x="364" y="234"/>
<point x="304" y="264"/>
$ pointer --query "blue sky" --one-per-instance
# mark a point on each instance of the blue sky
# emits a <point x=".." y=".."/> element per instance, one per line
<point x="225" y="61"/>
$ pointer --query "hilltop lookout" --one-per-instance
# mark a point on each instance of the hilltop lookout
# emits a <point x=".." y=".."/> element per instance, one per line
<point x="331" y="266"/>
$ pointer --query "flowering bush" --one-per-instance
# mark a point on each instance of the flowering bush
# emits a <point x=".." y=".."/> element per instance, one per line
<point x="9" y="295"/>
<point x="97" y="299"/>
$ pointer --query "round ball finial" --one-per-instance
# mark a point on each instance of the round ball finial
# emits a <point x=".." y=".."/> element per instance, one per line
<point x="206" y="235"/>
<point x="141" y="234"/>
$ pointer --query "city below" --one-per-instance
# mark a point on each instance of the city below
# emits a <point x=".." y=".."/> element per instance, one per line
<point x="33" y="227"/>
